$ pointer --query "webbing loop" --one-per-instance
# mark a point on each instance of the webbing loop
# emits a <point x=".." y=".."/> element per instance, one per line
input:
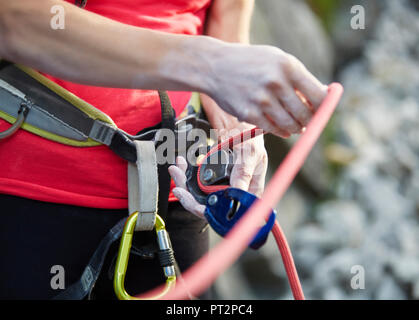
<point x="143" y="185"/>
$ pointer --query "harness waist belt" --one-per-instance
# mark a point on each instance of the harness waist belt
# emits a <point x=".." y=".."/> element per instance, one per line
<point x="58" y="115"/>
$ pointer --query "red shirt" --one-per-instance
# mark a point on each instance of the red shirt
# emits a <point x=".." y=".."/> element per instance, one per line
<point x="36" y="168"/>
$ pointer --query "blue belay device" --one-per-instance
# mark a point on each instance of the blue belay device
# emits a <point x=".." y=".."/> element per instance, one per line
<point x="225" y="207"/>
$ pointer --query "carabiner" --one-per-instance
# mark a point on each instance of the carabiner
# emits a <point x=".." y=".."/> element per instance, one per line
<point x="165" y="255"/>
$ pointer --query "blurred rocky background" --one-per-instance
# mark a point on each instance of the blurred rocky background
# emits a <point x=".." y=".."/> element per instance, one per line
<point x="356" y="202"/>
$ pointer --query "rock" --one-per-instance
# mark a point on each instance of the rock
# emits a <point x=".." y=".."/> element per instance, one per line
<point x="335" y="269"/>
<point x="344" y="221"/>
<point x="292" y="210"/>
<point x="406" y="269"/>
<point x="232" y="284"/>
<point x="370" y="217"/>
<point x="412" y="188"/>
<point x="339" y="154"/>
<point x="381" y="196"/>
<point x="374" y="220"/>
<point x="306" y="258"/>
<point x="334" y="293"/>
<point x="314" y="237"/>
<point x="293" y="27"/>
<point x="349" y="43"/>
<point x="393" y="54"/>
<point x="389" y="289"/>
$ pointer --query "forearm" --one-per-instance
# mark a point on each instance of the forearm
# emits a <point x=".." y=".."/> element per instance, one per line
<point x="97" y="51"/>
<point x="255" y="84"/>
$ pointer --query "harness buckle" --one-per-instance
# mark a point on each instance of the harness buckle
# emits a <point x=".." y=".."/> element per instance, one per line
<point x="165" y="254"/>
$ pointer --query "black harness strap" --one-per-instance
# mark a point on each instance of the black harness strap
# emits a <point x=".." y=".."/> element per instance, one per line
<point x="80" y="289"/>
<point x="167" y="122"/>
<point x="80" y="3"/>
<point x="4" y="63"/>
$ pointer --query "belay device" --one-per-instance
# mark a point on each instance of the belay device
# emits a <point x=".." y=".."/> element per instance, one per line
<point x="224" y="209"/>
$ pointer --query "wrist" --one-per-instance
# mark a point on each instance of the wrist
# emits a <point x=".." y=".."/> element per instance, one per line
<point x="191" y="63"/>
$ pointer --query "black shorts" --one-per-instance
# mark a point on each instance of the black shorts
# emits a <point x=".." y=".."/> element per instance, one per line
<point x="36" y="236"/>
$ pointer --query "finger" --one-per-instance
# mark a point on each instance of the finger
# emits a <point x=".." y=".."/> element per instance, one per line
<point x="257" y="184"/>
<point x="293" y="104"/>
<point x="178" y="176"/>
<point x="304" y="100"/>
<point x="277" y="124"/>
<point x="189" y="203"/>
<point x="276" y="131"/>
<point x="181" y="163"/>
<point x="242" y="172"/>
<point x="240" y="177"/>
<point x="280" y="117"/>
<point x="303" y="80"/>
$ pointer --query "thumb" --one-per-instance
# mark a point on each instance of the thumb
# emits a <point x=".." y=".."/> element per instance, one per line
<point x="189" y="203"/>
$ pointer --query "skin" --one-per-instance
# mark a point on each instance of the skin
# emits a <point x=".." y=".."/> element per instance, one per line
<point x="242" y="85"/>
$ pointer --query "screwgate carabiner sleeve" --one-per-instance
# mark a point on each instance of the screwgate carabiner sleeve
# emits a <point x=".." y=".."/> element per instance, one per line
<point x="165" y="255"/>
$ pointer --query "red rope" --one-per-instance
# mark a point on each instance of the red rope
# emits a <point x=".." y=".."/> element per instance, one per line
<point x="226" y="144"/>
<point x="204" y="272"/>
<point x="288" y="261"/>
<point x="280" y="238"/>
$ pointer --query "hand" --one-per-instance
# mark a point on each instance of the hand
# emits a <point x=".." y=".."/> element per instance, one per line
<point x="181" y="192"/>
<point x="265" y="86"/>
<point x="250" y="166"/>
<point x="247" y="175"/>
<point x="251" y="159"/>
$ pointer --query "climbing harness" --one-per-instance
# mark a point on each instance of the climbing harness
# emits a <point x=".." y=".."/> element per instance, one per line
<point x="32" y="102"/>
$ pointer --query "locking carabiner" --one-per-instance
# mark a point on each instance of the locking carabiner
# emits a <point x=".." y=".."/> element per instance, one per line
<point x="165" y="255"/>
